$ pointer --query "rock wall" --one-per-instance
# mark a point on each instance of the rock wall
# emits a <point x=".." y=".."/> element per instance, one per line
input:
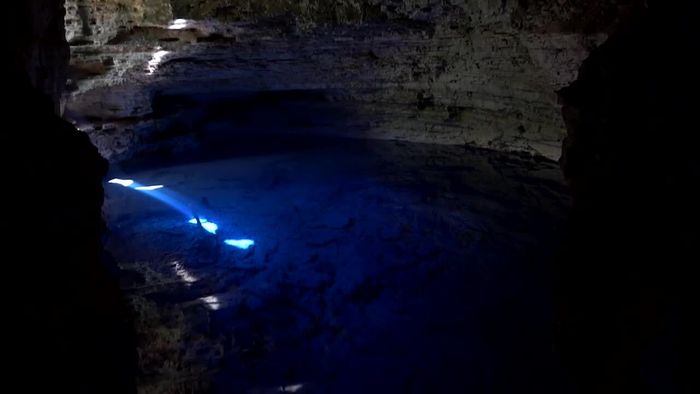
<point x="489" y="69"/>
<point x="564" y="15"/>
<point x="305" y="11"/>
<point x="98" y="21"/>
<point x="483" y="73"/>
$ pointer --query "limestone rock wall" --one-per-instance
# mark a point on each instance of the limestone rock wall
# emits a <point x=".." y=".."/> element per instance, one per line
<point x="478" y="72"/>
<point x="561" y="15"/>
<point x="98" y="21"/>
<point x="304" y="11"/>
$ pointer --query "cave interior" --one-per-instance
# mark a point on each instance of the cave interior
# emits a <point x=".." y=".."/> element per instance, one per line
<point x="345" y="196"/>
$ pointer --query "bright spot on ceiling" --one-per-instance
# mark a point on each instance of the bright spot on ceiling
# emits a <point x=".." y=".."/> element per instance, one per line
<point x="156" y="60"/>
<point x="240" y="243"/>
<point x="179" y="24"/>
<point x="148" y="188"/>
<point x="123" y="182"/>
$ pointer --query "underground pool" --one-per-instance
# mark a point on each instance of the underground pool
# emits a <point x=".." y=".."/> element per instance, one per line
<point x="340" y="266"/>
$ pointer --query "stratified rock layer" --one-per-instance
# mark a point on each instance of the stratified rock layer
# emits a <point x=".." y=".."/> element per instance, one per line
<point x="98" y="21"/>
<point x="479" y="73"/>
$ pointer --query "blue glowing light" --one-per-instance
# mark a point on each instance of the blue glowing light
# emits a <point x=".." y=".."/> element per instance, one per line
<point x="178" y="203"/>
<point x="240" y="243"/>
<point x="168" y="198"/>
<point x="123" y="182"/>
<point x="149" y="188"/>
<point x="210" y="227"/>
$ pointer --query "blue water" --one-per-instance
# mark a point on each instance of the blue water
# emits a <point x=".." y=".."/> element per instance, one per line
<point x="343" y="267"/>
<point x="181" y="205"/>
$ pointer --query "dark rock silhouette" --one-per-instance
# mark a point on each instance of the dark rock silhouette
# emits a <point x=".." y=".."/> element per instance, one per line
<point x="68" y="329"/>
<point x="631" y="161"/>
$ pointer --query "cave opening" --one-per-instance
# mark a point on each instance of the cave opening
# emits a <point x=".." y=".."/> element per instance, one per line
<point x="361" y="195"/>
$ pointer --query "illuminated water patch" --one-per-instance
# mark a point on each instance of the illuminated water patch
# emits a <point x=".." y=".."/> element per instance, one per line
<point x="210" y="227"/>
<point x="149" y="188"/>
<point x="240" y="243"/>
<point x="155" y="191"/>
<point x="177" y="203"/>
<point x="123" y="182"/>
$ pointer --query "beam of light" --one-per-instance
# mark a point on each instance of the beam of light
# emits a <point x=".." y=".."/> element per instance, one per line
<point x="179" y="24"/>
<point x="149" y="188"/>
<point x="170" y="199"/>
<point x="156" y="60"/>
<point x="240" y="243"/>
<point x="212" y="302"/>
<point x="293" y="388"/>
<point x="156" y="192"/>
<point x="123" y="182"/>
<point x="183" y="274"/>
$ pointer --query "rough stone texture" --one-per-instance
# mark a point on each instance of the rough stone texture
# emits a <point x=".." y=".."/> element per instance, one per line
<point x="67" y="330"/>
<point x="305" y="12"/>
<point x="478" y="72"/>
<point x="563" y="15"/>
<point x="632" y="163"/>
<point x="98" y="21"/>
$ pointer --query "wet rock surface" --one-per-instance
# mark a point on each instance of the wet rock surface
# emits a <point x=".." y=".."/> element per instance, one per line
<point x="378" y="267"/>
